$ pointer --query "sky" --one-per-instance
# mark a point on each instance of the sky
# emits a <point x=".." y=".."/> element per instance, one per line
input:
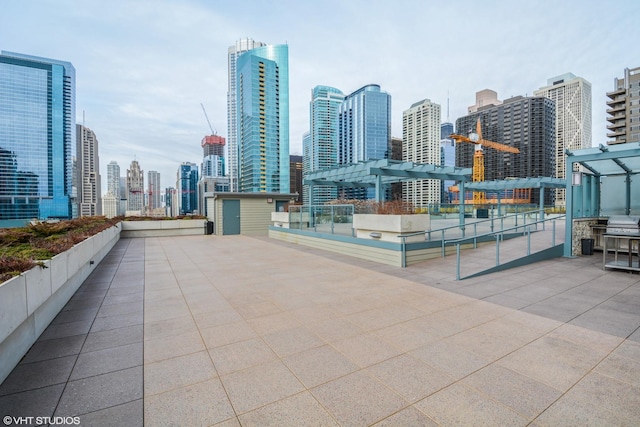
<point x="144" y="67"/>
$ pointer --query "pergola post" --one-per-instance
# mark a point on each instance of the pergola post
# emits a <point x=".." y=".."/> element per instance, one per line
<point x="568" y="229"/>
<point x="542" y="202"/>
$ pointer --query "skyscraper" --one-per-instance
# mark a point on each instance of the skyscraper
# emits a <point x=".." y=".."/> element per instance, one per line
<point x="364" y="130"/>
<point x="364" y="125"/>
<point x="623" y="112"/>
<point x="321" y="149"/>
<point x="88" y="169"/>
<point x="213" y="161"/>
<point x="572" y="96"/>
<point x="526" y="123"/>
<point x="295" y="174"/>
<point x="241" y="46"/>
<point x="135" y="188"/>
<point x="154" y="191"/>
<point x="421" y="144"/>
<point x="37" y="139"/>
<point x="187" y="187"/>
<point x="262" y="77"/>
<point x="113" y="179"/>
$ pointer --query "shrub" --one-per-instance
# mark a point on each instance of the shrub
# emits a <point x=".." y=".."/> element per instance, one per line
<point x="22" y="248"/>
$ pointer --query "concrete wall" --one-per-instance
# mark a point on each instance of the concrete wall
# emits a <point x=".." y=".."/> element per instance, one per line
<point x="30" y="301"/>
<point x="161" y="228"/>
<point x="382" y="252"/>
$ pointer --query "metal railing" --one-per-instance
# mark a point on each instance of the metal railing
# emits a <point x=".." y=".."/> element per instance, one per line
<point x="323" y="218"/>
<point x="499" y="236"/>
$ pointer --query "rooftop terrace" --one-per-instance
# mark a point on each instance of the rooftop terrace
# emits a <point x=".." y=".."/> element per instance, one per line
<point x="234" y="330"/>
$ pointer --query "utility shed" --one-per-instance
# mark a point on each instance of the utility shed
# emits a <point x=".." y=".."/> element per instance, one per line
<point x="245" y="213"/>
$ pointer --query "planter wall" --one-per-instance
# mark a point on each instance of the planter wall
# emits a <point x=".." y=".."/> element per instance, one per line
<point x="162" y="228"/>
<point x="29" y="302"/>
<point x="388" y="227"/>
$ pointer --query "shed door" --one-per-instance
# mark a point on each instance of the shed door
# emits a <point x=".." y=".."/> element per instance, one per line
<point x="230" y="217"/>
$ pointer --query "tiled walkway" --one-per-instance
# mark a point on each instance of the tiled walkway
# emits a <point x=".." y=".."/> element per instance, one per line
<point x="88" y="362"/>
<point x="245" y="331"/>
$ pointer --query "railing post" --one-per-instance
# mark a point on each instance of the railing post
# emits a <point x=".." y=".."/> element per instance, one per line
<point x="528" y="241"/>
<point x="553" y="233"/>
<point x="457" y="261"/>
<point x="404" y="252"/>
<point x="497" y="250"/>
<point x="332" y="219"/>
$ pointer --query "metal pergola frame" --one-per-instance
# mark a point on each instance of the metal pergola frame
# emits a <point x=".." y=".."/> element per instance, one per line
<point x="377" y="173"/>
<point x="612" y="160"/>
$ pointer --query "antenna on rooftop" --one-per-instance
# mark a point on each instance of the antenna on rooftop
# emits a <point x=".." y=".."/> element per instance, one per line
<point x="448" y="107"/>
<point x="213" y="131"/>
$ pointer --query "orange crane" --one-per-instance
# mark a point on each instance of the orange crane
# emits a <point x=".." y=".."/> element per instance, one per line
<point x="478" y="157"/>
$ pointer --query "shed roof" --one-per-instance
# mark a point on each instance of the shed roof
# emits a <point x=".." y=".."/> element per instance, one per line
<point x="618" y="159"/>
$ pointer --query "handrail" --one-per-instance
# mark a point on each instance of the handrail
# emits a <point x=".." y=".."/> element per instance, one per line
<point x="500" y="234"/>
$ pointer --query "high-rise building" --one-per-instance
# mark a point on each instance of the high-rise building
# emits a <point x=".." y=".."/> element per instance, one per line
<point x="38" y="138"/>
<point x="236" y="50"/>
<point x="110" y="205"/>
<point x="212" y="145"/>
<point x="135" y="188"/>
<point x="187" y="186"/>
<point x="88" y="169"/>
<point x="364" y="125"/>
<point x="447" y="158"/>
<point x="526" y="123"/>
<point x="572" y="96"/>
<point x="295" y="174"/>
<point x="421" y="144"/>
<point x="484" y="98"/>
<point x="623" y="113"/>
<point x="320" y="151"/>
<point x="171" y="202"/>
<point x="262" y="93"/>
<point x="113" y="179"/>
<point x="154" y="190"/>
<point x="213" y="161"/>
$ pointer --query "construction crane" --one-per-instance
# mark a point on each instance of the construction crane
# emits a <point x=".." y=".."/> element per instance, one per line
<point x="478" y="157"/>
<point x="213" y="131"/>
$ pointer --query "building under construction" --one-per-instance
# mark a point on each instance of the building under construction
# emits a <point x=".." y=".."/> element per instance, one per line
<point x="525" y="123"/>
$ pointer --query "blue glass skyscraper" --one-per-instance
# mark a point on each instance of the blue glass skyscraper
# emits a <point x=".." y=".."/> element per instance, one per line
<point x="364" y="128"/>
<point x="262" y="92"/>
<point x="188" y="187"/>
<point x="37" y="138"/>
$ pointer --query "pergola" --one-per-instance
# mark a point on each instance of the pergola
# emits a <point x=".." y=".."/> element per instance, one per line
<point x="511" y="184"/>
<point x="377" y="173"/>
<point x="583" y="191"/>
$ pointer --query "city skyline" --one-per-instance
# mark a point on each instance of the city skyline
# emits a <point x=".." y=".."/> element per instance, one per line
<point x="143" y="68"/>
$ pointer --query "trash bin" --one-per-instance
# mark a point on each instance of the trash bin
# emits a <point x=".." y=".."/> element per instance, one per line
<point x="482" y="213"/>
<point x="587" y="246"/>
<point x="208" y="228"/>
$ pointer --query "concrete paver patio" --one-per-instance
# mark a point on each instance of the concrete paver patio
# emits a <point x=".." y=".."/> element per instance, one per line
<point x="234" y="330"/>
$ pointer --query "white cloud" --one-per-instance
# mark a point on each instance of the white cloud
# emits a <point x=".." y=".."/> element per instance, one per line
<point x="143" y="67"/>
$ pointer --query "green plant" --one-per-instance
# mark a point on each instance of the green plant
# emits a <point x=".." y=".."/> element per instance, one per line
<point x="22" y="248"/>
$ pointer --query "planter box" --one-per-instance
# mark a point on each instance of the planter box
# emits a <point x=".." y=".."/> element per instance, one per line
<point x="283" y="220"/>
<point x="388" y="227"/>
<point x="161" y="228"/>
<point x="30" y="301"/>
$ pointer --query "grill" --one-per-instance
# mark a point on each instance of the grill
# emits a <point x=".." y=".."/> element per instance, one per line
<point x="623" y="225"/>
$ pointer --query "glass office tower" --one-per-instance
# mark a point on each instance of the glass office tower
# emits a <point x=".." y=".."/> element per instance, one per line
<point x="37" y="138"/>
<point x="364" y="131"/>
<point x="262" y="81"/>
<point x="235" y="51"/>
